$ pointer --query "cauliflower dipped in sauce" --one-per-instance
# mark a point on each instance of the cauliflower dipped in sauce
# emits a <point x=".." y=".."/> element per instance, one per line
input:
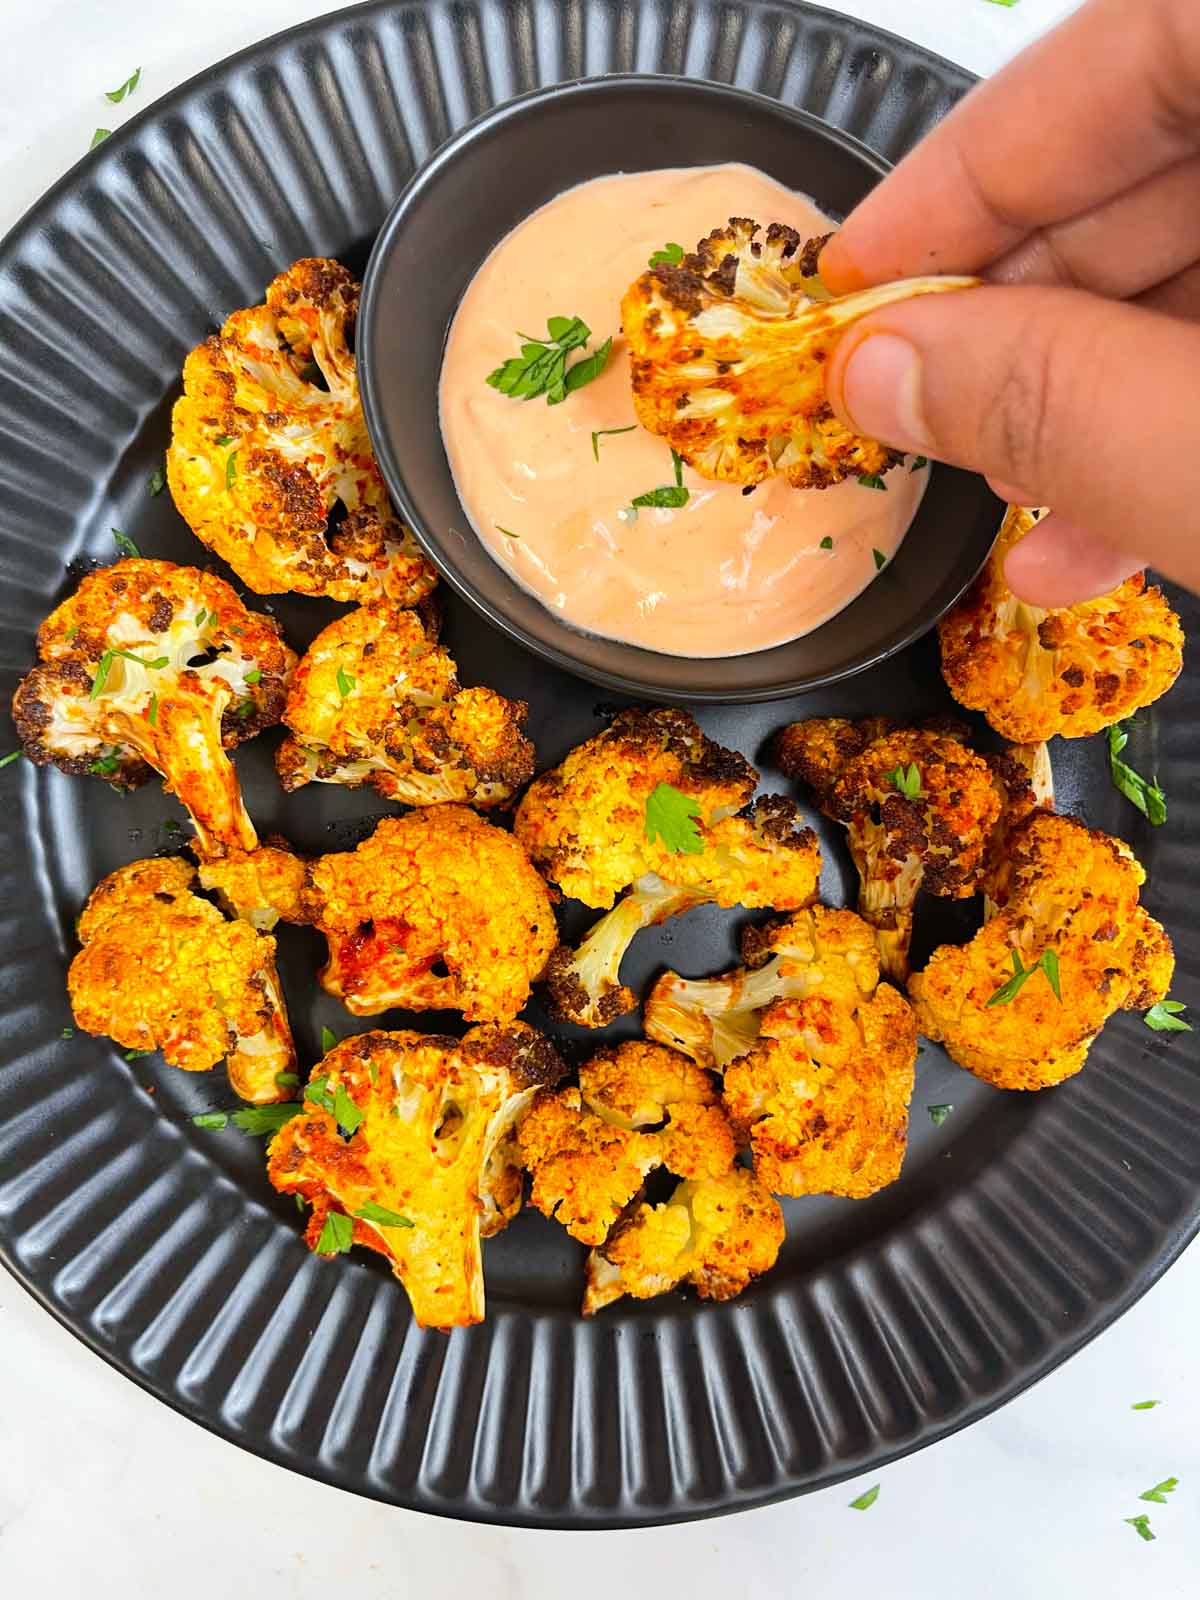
<point x="150" y="666"/>
<point x="1067" y="945"/>
<point x="405" y="1145"/>
<point x="653" y="804"/>
<point x="376" y="700"/>
<point x="270" y="464"/>
<point x="920" y="809"/>
<point x="161" y="969"/>
<point x="1071" y="671"/>
<point x="818" y="1054"/>
<point x="728" y="349"/>
<point x="437" y="910"/>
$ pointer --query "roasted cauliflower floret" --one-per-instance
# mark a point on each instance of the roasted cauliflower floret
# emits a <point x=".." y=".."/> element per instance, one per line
<point x="818" y="952"/>
<point x="728" y="350"/>
<point x="1068" y="945"/>
<point x="376" y="700"/>
<point x="717" y="1233"/>
<point x="635" y="1082"/>
<point x="161" y="969"/>
<point x="399" y="1142"/>
<point x="590" y="826"/>
<point x="270" y="464"/>
<point x="824" y="1094"/>
<point x="585" y="1168"/>
<point x="262" y="887"/>
<point x="919" y="808"/>
<point x="437" y="909"/>
<point x="153" y="666"/>
<point x="1072" y="671"/>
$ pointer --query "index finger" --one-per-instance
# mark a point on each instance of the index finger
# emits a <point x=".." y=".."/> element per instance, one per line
<point x="1107" y="99"/>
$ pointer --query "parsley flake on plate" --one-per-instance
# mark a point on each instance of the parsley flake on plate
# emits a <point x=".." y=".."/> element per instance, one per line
<point x="866" y="1500"/>
<point x="266" y="1119"/>
<point x="1142" y="1523"/>
<point x="671" y="817"/>
<point x="1147" y="797"/>
<point x="938" y="1114"/>
<point x="345" y="682"/>
<point x="337" y="1235"/>
<point x="13" y="755"/>
<point x="328" y="1040"/>
<point x="124" y="543"/>
<point x="157" y="481"/>
<point x="1166" y="1017"/>
<point x="1158" y="1495"/>
<point x="1047" y="963"/>
<point x="907" y="781"/>
<point x="131" y="82"/>
<point x="380" y="1214"/>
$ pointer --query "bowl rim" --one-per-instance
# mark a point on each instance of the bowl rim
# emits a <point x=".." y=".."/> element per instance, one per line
<point x="565" y="659"/>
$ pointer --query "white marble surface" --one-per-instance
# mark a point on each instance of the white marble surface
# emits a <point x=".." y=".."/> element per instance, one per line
<point x="104" y="1492"/>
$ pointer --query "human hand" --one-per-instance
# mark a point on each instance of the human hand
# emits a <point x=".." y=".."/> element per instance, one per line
<point x="1071" y="183"/>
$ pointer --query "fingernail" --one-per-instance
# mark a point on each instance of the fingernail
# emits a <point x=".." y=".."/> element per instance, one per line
<point x="881" y="390"/>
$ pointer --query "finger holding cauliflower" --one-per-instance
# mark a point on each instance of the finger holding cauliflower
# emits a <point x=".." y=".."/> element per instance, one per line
<point x="1070" y="671"/>
<point x="159" y="968"/>
<point x="270" y="463"/>
<point x="150" y="666"/>
<point x="376" y="700"/>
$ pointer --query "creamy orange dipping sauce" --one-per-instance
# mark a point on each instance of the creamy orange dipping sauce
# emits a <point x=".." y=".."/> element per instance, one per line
<point x="726" y="574"/>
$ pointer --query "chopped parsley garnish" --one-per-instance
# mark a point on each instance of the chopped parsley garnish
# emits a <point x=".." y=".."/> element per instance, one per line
<point x="866" y="1500"/>
<point x="345" y="682"/>
<point x="336" y="1236"/>
<point x="318" y="1092"/>
<point x="157" y="481"/>
<point x="131" y="82"/>
<point x="918" y="462"/>
<point x="907" y="781"/>
<point x="1145" y="1405"/>
<point x="541" y="368"/>
<point x="671" y="817"/>
<point x="201" y="617"/>
<point x="386" y="1219"/>
<point x="311" y="372"/>
<point x="223" y="439"/>
<point x="266" y="1119"/>
<point x="880" y="560"/>
<point x="99" y="137"/>
<point x="1166" y="1017"/>
<point x="1009" y="4"/>
<point x="671" y="497"/>
<point x="211" y="1119"/>
<point x="69" y="1033"/>
<point x="1047" y="962"/>
<point x="287" y="1080"/>
<point x="1158" y="1495"/>
<point x="255" y="676"/>
<point x="13" y="755"/>
<point x="669" y="256"/>
<point x="105" y="766"/>
<point x="230" y="469"/>
<point x="1147" y="797"/>
<point x="124" y="543"/>
<point x="105" y="667"/>
<point x="152" y="711"/>
<point x="605" y="433"/>
<point x="938" y="1114"/>
<point x="136" y="1055"/>
<point x="873" y="480"/>
<point x="349" y="1117"/>
<point x="826" y="543"/>
<point x="244" y="709"/>
<point x="508" y="533"/>
<point x="1142" y="1523"/>
<point x="328" y="1040"/>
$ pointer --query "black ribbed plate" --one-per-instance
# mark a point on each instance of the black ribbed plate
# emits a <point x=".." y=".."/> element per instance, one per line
<point x="1021" y="1227"/>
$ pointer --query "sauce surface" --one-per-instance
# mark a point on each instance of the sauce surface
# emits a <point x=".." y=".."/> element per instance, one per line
<point x="726" y="574"/>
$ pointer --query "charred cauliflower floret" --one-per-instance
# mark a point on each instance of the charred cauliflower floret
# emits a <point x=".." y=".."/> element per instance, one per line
<point x="919" y="808"/>
<point x="717" y="1234"/>
<point x="376" y="700"/>
<point x="262" y="887"/>
<point x="728" y="350"/>
<point x="1072" y="671"/>
<point x="270" y="464"/>
<point x="638" y="1107"/>
<point x="153" y="666"/>
<point x="824" y="1094"/>
<point x="817" y="952"/>
<point x="402" y="1146"/>
<point x="1067" y="946"/>
<point x="592" y="827"/>
<point x="436" y="910"/>
<point x="161" y="969"/>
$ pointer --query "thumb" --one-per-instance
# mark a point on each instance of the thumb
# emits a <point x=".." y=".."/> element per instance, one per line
<point x="1083" y="404"/>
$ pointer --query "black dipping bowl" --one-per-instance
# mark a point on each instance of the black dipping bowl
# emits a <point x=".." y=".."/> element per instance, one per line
<point x="464" y="200"/>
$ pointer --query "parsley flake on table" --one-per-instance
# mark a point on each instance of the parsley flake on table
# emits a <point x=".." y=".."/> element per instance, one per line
<point x="380" y="1214"/>
<point x="1158" y="1495"/>
<point x="541" y="368"/>
<point x="1046" y="963"/>
<point x="1142" y="1523"/>
<point x="669" y="256"/>
<point x="671" y="817"/>
<point x="1147" y="797"/>
<point x="866" y="1500"/>
<point x="337" y="1235"/>
<point x="907" y="781"/>
<point x="131" y="82"/>
<point x="1166" y="1017"/>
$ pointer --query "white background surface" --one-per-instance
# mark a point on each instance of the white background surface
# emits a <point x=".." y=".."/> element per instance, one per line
<point x="104" y="1492"/>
